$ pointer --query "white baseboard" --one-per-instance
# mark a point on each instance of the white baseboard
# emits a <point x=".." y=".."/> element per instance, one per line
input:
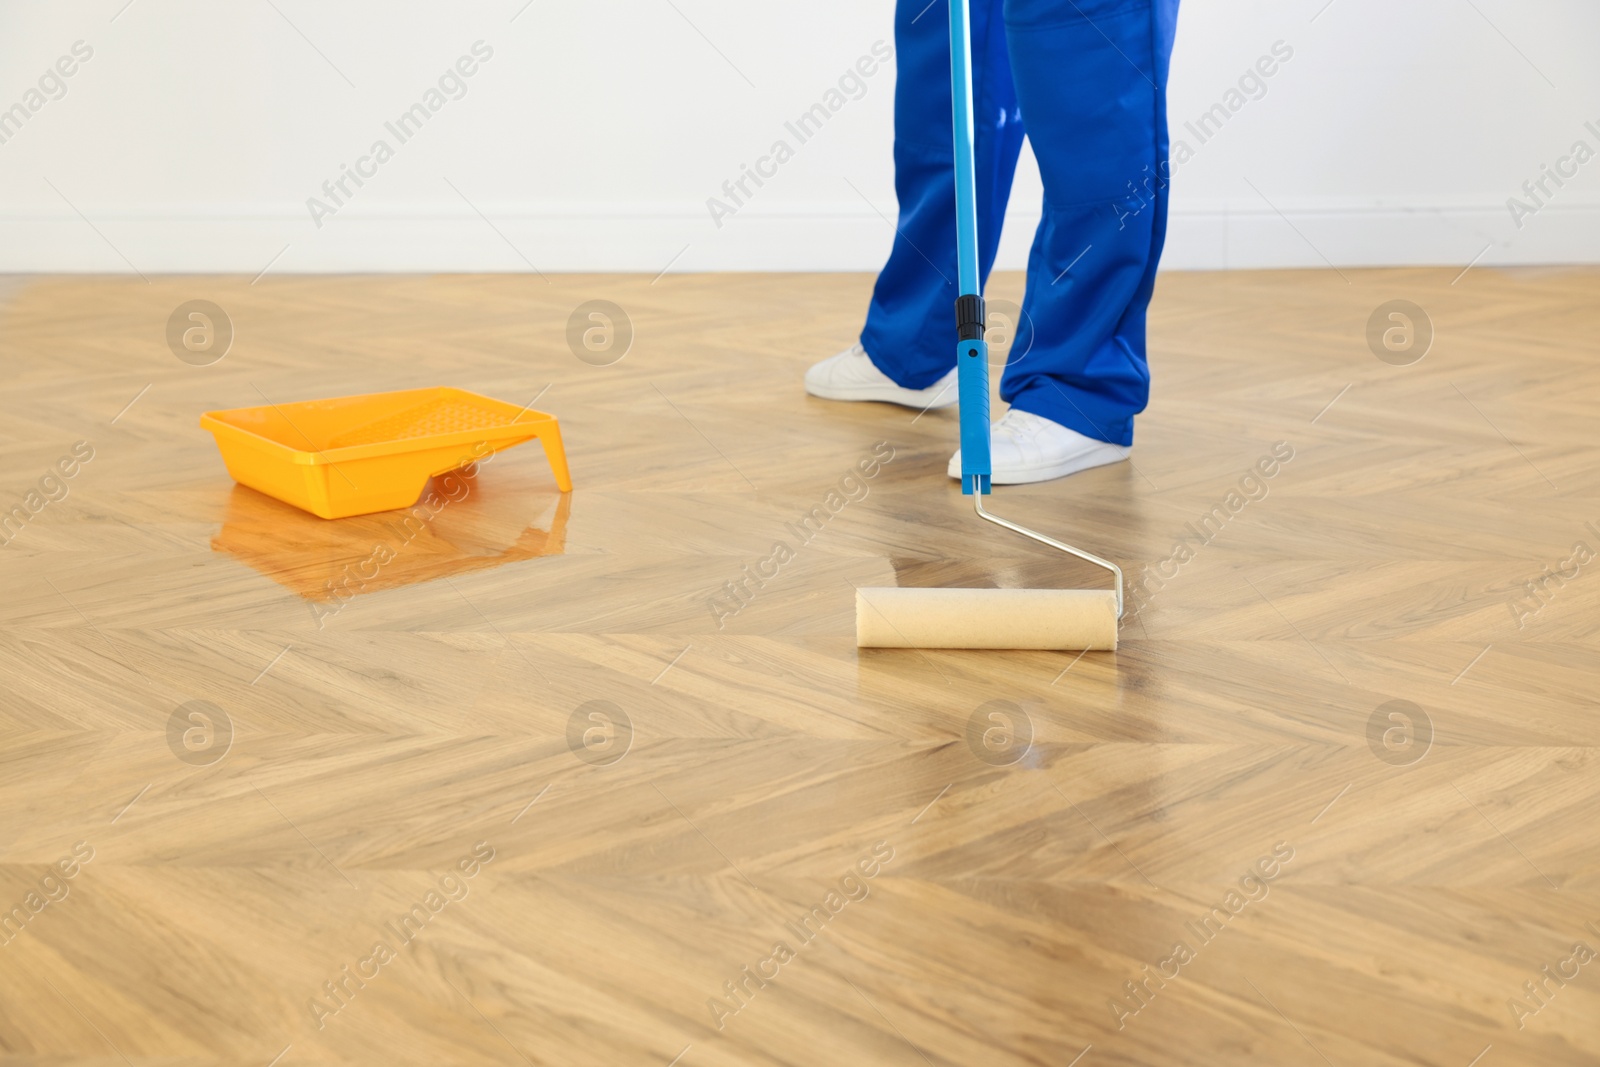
<point x="1213" y="239"/>
<point x="828" y="238"/>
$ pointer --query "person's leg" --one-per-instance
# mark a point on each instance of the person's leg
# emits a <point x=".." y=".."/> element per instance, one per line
<point x="1091" y="77"/>
<point x="910" y="333"/>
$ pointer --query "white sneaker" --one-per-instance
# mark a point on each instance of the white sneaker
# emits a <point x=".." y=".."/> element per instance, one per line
<point x="1026" y="448"/>
<point x="850" y="375"/>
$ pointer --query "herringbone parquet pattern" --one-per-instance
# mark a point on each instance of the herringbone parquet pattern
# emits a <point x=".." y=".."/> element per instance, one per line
<point x="406" y="833"/>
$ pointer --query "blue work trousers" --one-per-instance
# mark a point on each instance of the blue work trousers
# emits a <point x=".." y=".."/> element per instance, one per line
<point x="1086" y="80"/>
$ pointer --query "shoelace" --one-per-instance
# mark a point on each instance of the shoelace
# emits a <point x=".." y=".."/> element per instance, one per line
<point x="1021" y="424"/>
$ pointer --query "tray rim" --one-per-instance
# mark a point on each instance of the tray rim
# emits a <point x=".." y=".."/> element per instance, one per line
<point x="514" y="432"/>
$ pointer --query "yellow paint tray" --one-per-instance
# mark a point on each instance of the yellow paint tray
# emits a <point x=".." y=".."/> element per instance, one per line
<point x="354" y="455"/>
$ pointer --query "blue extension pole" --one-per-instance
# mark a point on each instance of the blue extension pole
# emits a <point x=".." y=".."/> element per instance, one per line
<point x="972" y="351"/>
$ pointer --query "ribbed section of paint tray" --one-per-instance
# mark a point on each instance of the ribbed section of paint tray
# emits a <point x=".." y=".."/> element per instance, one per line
<point x="437" y="416"/>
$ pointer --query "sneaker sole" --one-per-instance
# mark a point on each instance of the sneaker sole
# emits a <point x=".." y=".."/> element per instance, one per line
<point x="906" y="398"/>
<point x="1046" y="474"/>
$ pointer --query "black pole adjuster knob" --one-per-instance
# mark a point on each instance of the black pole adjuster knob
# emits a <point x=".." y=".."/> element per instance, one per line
<point x="970" y="318"/>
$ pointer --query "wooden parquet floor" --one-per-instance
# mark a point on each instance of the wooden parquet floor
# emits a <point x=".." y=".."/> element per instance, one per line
<point x="546" y="789"/>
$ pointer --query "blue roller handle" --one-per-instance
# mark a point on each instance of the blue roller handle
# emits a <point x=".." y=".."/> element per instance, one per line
<point x="972" y="354"/>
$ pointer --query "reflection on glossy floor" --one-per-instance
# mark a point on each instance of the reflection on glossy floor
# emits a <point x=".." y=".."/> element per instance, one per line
<point x="452" y="529"/>
<point x="576" y="779"/>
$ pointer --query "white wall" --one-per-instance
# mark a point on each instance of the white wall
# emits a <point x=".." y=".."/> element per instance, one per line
<point x="592" y="138"/>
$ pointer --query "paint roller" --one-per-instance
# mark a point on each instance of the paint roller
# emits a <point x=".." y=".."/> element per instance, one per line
<point x="983" y="618"/>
